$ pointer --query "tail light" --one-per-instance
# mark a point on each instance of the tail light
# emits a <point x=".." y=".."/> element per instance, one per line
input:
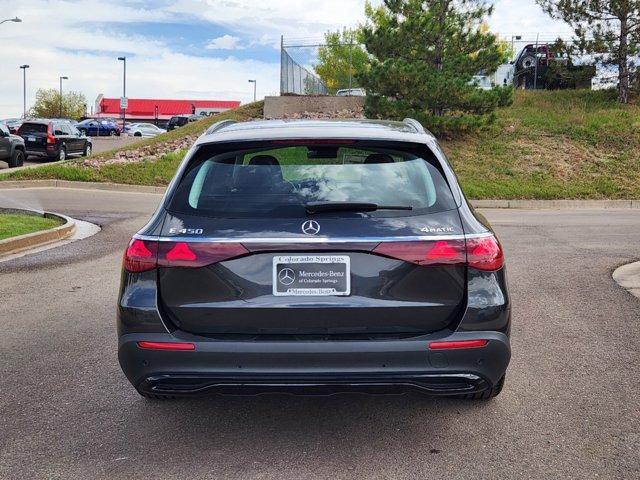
<point x="143" y="255"/>
<point x="482" y="253"/>
<point x="441" y="252"/>
<point x="140" y="256"/>
<point x="50" y="138"/>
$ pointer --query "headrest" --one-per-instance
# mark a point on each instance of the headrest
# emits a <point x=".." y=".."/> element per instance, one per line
<point x="378" y="158"/>
<point x="264" y="160"/>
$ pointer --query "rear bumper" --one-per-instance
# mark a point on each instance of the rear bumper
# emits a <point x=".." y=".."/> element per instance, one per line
<point x="48" y="153"/>
<point x="321" y="367"/>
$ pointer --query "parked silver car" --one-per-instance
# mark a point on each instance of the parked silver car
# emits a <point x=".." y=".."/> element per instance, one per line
<point x="144" y="130"/>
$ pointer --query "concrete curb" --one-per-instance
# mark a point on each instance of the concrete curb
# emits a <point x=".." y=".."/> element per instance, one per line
<point x="12" y="245"/>
<point x="5" y="171"/>
<point x="628" y="277"/>
<point x="523" y="204"/>
<point x="111" y="187"/>
<point x="571" y="204"/>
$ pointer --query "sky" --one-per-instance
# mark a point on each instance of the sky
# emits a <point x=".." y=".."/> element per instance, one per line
<point x="185" y="49"/>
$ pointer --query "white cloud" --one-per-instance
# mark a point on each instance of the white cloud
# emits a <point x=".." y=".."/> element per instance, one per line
<point x="63" y="37"/>
<point x="225" y="42"/>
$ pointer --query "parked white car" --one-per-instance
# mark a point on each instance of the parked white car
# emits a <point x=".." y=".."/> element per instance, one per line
<point x="351" y="92"/>
<point x="144" y="130"/>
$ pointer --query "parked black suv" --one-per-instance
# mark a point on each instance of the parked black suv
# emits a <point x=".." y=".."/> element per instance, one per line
<point x="12" y="148"/>
<point x="181" y="120"/>
<point x="315" y="256"/>
<point x="53" y="139"/>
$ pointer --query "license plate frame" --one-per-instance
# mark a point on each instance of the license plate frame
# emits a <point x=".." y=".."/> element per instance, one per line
<point x="311" y="275"/>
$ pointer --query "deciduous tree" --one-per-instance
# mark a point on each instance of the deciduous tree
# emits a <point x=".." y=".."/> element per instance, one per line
<point x="341" y="59"/>
<point x="47" y="104"/>
<point x="607" y="29"/>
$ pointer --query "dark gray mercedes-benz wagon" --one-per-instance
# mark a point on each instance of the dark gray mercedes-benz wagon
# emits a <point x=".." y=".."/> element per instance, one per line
<point x="314" y="257"/>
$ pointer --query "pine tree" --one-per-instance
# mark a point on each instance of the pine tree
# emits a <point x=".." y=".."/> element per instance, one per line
<point x="607" y="29"/>
<point x="425" y="54"/>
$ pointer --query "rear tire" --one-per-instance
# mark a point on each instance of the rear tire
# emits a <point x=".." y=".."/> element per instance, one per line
<point x="17" y="159"/>
<point x="485" y="395"/>
<point x="137" y="134"/>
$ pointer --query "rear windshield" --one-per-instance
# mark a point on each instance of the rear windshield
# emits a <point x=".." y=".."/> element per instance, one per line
<point x="33" y="128"/>
<point x="279" y="182"/>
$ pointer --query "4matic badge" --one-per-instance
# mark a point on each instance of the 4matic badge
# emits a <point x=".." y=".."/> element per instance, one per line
<point x="188" y="231"/>
<point x="436" y="229"/>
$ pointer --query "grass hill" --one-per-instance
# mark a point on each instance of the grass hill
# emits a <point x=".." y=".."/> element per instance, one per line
<point x="547" y="145"/>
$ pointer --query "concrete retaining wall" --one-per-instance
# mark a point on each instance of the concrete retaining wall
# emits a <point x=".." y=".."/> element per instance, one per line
<point x="278" y="107"/>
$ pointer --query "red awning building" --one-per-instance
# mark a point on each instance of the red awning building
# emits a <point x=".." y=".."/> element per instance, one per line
<point x="148" y="109"/>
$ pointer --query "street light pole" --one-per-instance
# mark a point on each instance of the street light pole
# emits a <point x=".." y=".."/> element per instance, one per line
<point x="15" y="20"/>
<point x="124" y="88"/>
<point x="61" y="78"/>
<point x="254" y="88"/>
<point x="24" y="90"/>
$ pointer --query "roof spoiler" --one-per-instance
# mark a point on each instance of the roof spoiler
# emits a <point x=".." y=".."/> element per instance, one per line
<point x="416" y="125"/>
<point x="216" y="127"/>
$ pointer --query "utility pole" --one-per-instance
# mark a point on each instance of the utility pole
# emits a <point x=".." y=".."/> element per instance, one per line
<point x="61" y="78"/>
<point x="24" y="90"/>
<point x="124" y="89"/>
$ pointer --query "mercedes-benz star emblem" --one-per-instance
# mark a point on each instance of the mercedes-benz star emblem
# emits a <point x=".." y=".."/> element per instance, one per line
<point x="311" y="227"/>
<point x="286" y="276"/>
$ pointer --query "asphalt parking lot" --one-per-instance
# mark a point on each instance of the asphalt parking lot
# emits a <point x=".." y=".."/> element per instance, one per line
<point x="100" y="144"/>
<point x="570" y="407"/>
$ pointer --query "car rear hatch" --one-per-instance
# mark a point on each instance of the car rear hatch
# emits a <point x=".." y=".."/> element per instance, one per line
<point x="329" y="284"/>
<point x="36" y="136"/>
<point x="255" y="257"/>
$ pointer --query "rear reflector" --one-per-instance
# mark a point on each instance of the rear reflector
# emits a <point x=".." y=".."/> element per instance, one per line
<point x="176" y="346"/>
<point x="457" y="345"/>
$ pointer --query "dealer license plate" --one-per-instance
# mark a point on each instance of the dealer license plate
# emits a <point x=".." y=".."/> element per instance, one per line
<point x="305" y="275"/>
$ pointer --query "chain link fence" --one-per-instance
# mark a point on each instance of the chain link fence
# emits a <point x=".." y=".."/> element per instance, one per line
<point x="296" y="79"/>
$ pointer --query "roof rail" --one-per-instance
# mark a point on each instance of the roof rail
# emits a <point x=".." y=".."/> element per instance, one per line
<point x="219" y="126"/>
<point x="416" y="125"/>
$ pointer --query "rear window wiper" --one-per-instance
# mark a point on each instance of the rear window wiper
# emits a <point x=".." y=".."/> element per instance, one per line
<point x="319" y="207"/>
